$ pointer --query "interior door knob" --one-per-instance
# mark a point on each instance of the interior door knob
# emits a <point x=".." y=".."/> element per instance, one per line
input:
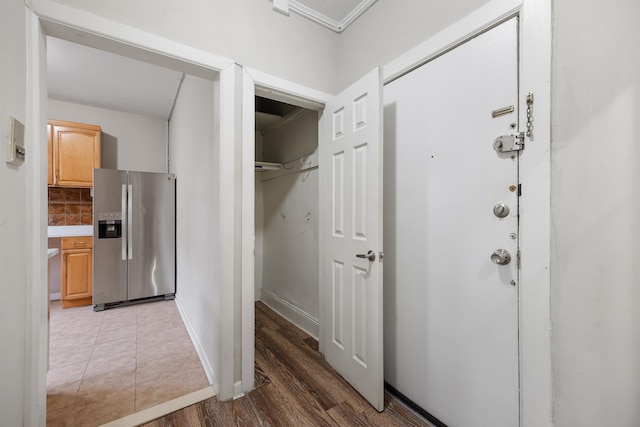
<point x="501" y="257"/>
<point x="371" y="256"/>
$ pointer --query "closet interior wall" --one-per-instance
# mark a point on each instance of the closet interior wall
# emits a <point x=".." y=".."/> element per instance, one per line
<point x="286" y="217"/>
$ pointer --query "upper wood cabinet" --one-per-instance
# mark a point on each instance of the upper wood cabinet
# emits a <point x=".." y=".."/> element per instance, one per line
<point x="75" y="152"/>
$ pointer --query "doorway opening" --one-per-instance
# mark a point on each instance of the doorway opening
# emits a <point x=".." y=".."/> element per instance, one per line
<point x="349" y="283"/>
<point x="139" y="140"/>
<point x="287" y="211"/>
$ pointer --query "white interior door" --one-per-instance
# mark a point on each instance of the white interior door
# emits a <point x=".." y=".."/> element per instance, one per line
<point x="352" y="225"/>
<point x="451" y="328"/>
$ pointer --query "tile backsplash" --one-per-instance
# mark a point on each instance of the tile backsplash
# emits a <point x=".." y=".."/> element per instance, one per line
<point x="70" y="206"/>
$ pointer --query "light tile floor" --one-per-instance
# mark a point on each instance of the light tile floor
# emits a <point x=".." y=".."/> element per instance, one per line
<point x="106" y="365"/>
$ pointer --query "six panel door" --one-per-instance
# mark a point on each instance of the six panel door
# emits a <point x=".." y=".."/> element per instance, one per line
<point x="352" y="228"/>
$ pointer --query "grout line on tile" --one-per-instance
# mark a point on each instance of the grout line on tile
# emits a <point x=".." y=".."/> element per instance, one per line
<point x="90" y="355"/>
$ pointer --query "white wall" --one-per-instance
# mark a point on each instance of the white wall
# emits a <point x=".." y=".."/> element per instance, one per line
<point x="596" y="213"/>
<point x="392" y="27"/>
<point x="129" y="141"/>
<point x="191" y="152"/>
<point x="13" y="248"/>
<point x="293" y="48"/>
<point x="248" y="31"/>
<point x="291" y="241"/>
<point x="292" y="141"/>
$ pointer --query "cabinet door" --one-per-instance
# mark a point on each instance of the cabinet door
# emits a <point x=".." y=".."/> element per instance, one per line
<point x="77" y="274"/>
<point x="50" y="179"/>
<point x="77" y="152"/>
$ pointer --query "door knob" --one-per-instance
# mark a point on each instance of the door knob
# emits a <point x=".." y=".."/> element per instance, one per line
<point x="501" y="210"/>
<point x="371" y="256"/>
<point x="501" y="257"/>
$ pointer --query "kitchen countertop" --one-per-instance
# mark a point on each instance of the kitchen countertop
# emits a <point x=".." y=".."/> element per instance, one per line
<point x="70" y="230"/>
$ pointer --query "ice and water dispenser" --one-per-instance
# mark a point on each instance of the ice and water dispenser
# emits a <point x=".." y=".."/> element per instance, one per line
<point x="109" y="225"/>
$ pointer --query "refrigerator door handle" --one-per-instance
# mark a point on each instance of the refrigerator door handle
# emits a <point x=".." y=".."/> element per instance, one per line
<point x="130" y="221"/>
<point x="124" y="213"/>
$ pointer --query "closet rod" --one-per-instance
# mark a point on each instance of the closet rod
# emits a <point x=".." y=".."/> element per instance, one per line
<point x="267" y="166"/>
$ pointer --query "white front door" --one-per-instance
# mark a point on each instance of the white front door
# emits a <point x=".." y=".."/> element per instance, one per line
<point x="351" y="292"/>
<point x="451" y="328"/>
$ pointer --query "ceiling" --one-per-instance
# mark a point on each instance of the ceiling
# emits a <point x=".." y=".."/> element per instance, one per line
<point x="270" y="112"/>
<point x="333" y="9"/>
<point x="89" y="76"/>
<point x="336" y="15"/>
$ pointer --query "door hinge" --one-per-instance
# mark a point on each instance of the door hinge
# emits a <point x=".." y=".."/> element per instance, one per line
<point x="507" y="143"/>
<point x="519" y="190"/>
<point x="518" y="258"/>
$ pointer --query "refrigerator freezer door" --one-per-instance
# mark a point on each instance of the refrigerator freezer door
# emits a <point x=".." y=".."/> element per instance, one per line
<point x="109" y="263"/>
<point x="153" y="241"/>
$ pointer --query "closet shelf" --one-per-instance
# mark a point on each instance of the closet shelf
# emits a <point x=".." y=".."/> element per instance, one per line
<point x="266" y="166"/>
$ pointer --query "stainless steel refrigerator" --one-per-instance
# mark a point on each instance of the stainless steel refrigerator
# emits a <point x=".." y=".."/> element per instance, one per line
<point x="133" y="237"/>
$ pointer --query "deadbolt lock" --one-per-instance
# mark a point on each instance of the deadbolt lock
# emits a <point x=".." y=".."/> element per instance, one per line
<point x="507" y="143"/>
<point x="501" y="210"/>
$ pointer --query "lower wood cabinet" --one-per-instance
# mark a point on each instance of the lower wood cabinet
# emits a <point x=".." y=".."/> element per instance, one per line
<point x="76" y="283"/>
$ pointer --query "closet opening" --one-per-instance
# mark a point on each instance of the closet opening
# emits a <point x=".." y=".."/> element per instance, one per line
<point x="287" y="195"/>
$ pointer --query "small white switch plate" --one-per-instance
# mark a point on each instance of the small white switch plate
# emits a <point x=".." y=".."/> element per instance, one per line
<point x="15" y="142"/>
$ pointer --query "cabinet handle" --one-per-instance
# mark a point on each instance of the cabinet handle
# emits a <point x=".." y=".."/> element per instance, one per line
<point x="78" y="243"/>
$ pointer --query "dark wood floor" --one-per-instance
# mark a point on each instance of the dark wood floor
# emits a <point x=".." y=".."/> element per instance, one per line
<point x="294" y="387"/>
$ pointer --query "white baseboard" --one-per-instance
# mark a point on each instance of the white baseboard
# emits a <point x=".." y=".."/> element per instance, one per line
<point x="206" y="364"/>
<point x="54" y="296"/>
<point x="292" y="313"/>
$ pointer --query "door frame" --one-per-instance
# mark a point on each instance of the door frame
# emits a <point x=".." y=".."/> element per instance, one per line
<point x="46" y="18"/>
<point x="256" y="82"/>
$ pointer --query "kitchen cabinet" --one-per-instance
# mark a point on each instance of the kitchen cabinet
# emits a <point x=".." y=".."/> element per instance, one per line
<point x="76" y="272"/>
<point x="74" y="153"/>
